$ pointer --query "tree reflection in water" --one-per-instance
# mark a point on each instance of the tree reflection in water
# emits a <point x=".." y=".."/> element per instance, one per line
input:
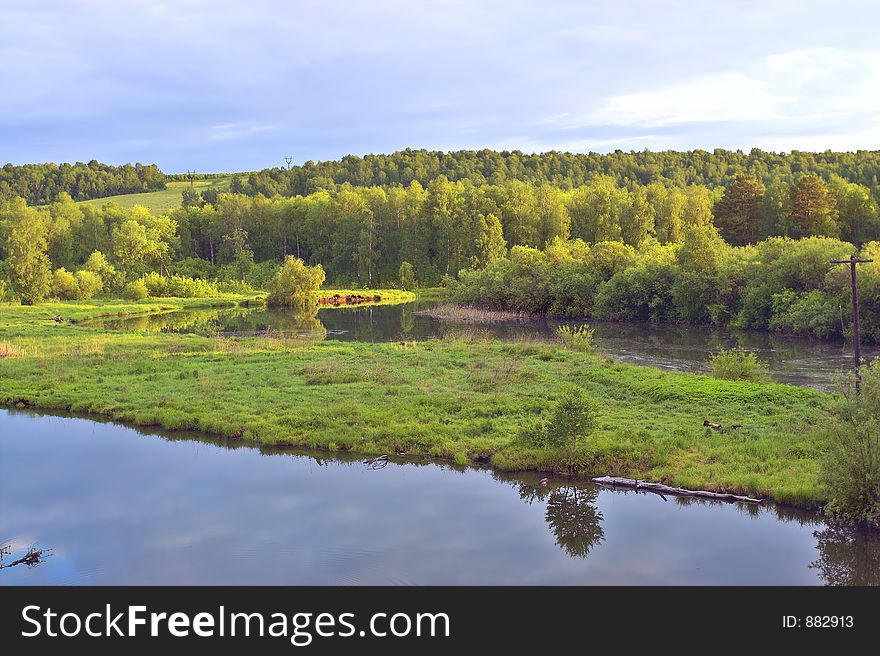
<point x="299" y="322"/>
<point x="848" y="555"/>
<point x="571" y="513"/>
<point x="575" y="520"/>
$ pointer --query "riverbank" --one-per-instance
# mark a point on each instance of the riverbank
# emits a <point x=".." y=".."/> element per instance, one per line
<point x="463" y="398"/>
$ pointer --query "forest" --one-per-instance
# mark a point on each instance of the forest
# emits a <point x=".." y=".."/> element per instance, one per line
<point x="563" y="170"/>
<point x="40" y="184"/>
<point x="748" y="253"/>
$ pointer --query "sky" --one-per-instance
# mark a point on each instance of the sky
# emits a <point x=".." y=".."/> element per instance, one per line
<point x="227" y="86"/>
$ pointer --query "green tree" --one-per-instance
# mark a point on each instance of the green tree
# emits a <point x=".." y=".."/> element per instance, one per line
<point x="26" y="240"/>
<point x="857" y="210"/>
<point x="64" y="285"/>
<point x="88" y="283"/>
<point x="407" y="276"/>
<point x="98" y="264"/>
<point x="572" y="419"/>
<point x="637" y="219"/>
<point x="813" y="209"/>
<point x="489" y="244"/>
<point x="295" y="284"/>
<point x="739" y="215"/>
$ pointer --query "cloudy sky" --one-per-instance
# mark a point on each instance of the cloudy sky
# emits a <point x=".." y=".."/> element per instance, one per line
<point x="223" y="86"/>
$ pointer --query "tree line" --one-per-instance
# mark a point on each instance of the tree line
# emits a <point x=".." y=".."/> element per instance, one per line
<point x="40" y="184"/>
<point x="364" y="235"/>
<point x="564" y="170"/>
<point x="780" y="284"/>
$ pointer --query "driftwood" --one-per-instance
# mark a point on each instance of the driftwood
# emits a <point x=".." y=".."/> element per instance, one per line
<point x="32" y="558"/>
<point x="376" y="463"/>
<point x="659" y="488"/>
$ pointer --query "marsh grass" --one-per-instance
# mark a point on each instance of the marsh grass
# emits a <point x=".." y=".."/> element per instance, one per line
<point x="8" y="350"/>
<point x="577" y="338"/>
<point x="471" y="313"/>
<point x="464" y="398"/>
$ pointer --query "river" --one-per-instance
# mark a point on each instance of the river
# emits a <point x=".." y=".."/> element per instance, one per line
<point x="793" y="360"/>
<point x="118" y="505"/>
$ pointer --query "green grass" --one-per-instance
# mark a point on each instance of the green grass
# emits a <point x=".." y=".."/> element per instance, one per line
<point x="460" y="399"/>
<point x="160" y="202"/>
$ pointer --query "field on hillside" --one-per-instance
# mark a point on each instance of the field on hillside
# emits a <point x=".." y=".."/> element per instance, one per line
<point x="159" y="202"/>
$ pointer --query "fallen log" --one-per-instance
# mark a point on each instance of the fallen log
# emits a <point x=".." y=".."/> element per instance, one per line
<point x="659" y="488"/>
<point x="376" y="463"/>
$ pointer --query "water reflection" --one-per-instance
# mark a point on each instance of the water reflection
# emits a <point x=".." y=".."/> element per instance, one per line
<point x="571" y="512"/>
<point x="172" y="507"/>
<point x="673" y="347"/>
<point x="848" y="556"/>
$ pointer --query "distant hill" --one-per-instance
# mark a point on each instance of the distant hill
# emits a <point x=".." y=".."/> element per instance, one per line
<point x="40" y="184"/>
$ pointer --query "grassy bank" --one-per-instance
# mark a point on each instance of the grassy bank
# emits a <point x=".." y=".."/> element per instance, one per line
<point x="463" y="399"/>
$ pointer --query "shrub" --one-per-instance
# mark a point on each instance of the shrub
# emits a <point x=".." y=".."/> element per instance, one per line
<point x="814" y="314"/>
<point x="89" y="284"/>
<point x="234" y="287"/>
<point x="136" y="291"/>
<point x="193" y="267"/>
<point x="64" y="285"/>
<point x="261" y="275"/>
<point x="576" y="338"/>
<point x="571" y="419"/>
<point x="295" y="284"/>
<point x="178" y="286"/>
<point x="97" y="263"/>
<point x="851" y="466"/>
<point x="737" y="364"/>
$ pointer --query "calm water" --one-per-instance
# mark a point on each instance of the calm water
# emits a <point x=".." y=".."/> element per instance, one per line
<point x="792" y="360"/>
<point x="123" y="507"/>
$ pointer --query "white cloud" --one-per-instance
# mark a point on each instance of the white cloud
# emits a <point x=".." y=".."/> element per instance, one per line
<point x="237" y="130"/>
<point x="799" y="89"/>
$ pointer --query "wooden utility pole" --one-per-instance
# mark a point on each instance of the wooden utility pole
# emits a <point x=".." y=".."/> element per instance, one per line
<point x="192" y="178"/>
<point x="857" y="348"/>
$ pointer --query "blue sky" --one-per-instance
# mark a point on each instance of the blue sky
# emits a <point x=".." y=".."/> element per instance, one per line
<point x="226" y="86"/>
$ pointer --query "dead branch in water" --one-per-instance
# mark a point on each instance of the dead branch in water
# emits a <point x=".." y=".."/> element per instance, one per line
<point x="376" y="463"/>
<point x="32" y="558"/>
<point x="659" y="488"/>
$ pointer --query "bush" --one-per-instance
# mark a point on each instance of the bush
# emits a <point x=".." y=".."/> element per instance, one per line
<point x="64" y="285"/>
<point x="98" y="264"/>
<point x="737" y="364"/>
<point x="814" y="314"/>
<point x="576" y="338"/>
<point x="178" y="286"/>
<point x="89" y="284"/>
<point x="136" y="291"/>
<point x="571" y="419"/>
<point x="261" y="275"/>
<point x="234" y="287"/>
<point x="851" y="466"/>
<point x="295" y="284"/>
<point x="193" y="267"/>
